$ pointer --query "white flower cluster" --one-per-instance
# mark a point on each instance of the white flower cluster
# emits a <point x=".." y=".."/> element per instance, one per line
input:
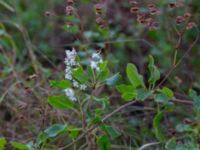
<point x="70" y="62"/>
<point x="96" y="60"/>
<point x="70" y="94"/>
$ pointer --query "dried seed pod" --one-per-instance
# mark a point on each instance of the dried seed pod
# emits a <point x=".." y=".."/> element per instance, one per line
<point x="187" y="121"/>
<point x="153" y="25"/>
<point x="150" y="6"/>
<point x="47" y="13"/>
<point x="172" y="131"/>
<point x="101" y="22"/>
<point x="98" y="9"/>
<point x="27" y="90"/>
<point x="153" y="11"/>
<point x="187" y="15"/>
<point x="191" y="25"/>
<point x="172" y="5"/>
<point x="180" y="19"/>
<point x="69" y="24"/>
<point x="21" y="117"/>
<point x="32" y="77"/>
<point x="141" y="18"/>
<point x="133" y="3"/>
<point x="148" y="21"/>
<point x="69" y="10"/>
<point x="70" y="2"/>
<point x="134" y="10"/>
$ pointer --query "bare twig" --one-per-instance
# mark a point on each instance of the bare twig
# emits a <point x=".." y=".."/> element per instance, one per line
<point x="182" y="101"/>
<point x="148" y="145"/>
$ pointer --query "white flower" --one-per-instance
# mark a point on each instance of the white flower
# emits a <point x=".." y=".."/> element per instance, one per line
<point x="96" y="60"/>
<point x="93" y="64"/>
<point x="70" y="60"/>
<point x="71" y="64"/>
<point x="96" y="56"/>
<point x="68" y="76"/>
<point x="70" y="94"/>
<point x="83" y="87"/>
<point x="68" y="69"/>
<point x="75" y="84"/>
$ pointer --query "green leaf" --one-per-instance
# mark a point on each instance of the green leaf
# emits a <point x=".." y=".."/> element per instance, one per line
<point x="135" y="79"/>
<point x="112" y="132"/>
<point x="73" y="132"/>
<point x="156" y="124"/>
<point x="79" y="75"/>
<point x="129" y="96"/>
<point x="60" y="84"/>
<point x="55" y="130"/>
<point x="104" y="72"/>
<point x="104" y="65"/>
<point x="103" y="75"/>
<point x="196" y="99"/>
<point x="143" y="94"/>
<point x="60" y="102"/>
<point x="2" y="32"/>
<point x="113" y="80"/>
<point x="183" y="147"/>
<point x="171" y="144"/>
<point x="103" y="142"/>
<point x="154" y="72"/>
<point x="3" y="143"/>
<point x="123" y="88"/>
<point x="42" y="138"/>
<point x="30" y="145"/>
<point x="183" y="128"/>
<point x="168" y="92"/>
<point x="162" y="98"/>
<point x="72" y="29"/>
<point x="19" y="146"/>
<point x="104" y="101"/>
<point x="71" y="19"/>
<point x="128" y="91"/>
<point x="90" y="75"/>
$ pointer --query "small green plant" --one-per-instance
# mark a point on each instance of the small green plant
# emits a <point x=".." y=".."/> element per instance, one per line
<point x="82" y="95"/>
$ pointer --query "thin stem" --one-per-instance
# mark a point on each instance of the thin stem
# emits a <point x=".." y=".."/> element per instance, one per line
<point x="180" y="60"/>
<point x="148" y="145"/>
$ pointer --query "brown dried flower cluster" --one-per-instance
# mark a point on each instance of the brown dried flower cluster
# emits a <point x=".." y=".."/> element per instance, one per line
<point x="134" y="7"/>
<point x="191" y="25"/>
<point x="145" y="18"/>
<point x="177" y="4"/>
<point x="149" y="18"/>
<point x="69" y="10"/>
<point x="180" y="19"/>
<point x="101" y="22"/>
<point x="185" y="18"/>
<point x="153" y="10"/>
